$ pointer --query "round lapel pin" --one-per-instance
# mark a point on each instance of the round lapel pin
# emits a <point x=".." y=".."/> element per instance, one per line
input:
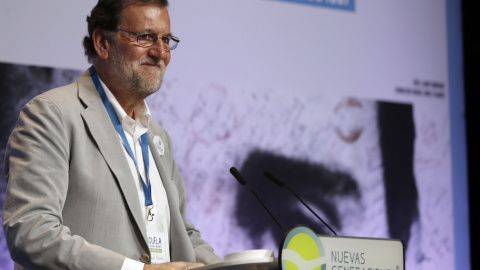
<point x="158" y="142"/>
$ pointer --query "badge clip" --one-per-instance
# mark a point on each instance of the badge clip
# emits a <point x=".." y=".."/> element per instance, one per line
<point x="149" y="213"/>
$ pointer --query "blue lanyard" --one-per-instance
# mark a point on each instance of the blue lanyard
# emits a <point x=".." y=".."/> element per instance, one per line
<point x="147" y="187"/>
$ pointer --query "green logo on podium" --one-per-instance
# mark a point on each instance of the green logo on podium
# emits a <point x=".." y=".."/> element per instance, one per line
<point x="302" y="250"/>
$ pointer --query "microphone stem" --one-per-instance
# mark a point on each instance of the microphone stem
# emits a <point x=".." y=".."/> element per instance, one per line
<point x="313" y="212"/>
<point x="266" y="209"/>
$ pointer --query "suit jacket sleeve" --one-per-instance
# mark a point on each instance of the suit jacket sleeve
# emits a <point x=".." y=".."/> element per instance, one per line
<point x="37" y="171"/>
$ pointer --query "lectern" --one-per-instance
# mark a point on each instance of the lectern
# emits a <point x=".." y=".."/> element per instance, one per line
<point x="303" y="249"/>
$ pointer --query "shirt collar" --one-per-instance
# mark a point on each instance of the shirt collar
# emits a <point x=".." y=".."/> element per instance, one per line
<point x="134" y="127"/>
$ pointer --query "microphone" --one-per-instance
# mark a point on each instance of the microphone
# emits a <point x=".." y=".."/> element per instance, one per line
<point x="280" y="183"/>
<point x="243" y="182"/>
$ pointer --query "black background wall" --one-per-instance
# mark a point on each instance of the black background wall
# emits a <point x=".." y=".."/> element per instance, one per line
<point x="471" y="43"/>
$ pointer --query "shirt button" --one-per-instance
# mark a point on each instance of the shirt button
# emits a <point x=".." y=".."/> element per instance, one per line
<point x="144" y="258"/>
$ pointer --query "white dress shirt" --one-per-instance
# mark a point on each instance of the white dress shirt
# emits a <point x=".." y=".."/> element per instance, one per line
<point x="134" y="129"/>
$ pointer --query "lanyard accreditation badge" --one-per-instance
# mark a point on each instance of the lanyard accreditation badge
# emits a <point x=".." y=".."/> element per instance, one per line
<point x="156" y="237"/>
<point x="147" y="187"/>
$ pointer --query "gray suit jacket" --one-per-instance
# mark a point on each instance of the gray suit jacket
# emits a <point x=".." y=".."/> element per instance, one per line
<point x="71" y="202"/>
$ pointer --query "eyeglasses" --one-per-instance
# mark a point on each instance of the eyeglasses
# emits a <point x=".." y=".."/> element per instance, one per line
<point x="149" y="39"/>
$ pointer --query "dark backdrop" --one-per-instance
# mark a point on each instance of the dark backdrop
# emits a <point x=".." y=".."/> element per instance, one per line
<point x="471" y="47"/>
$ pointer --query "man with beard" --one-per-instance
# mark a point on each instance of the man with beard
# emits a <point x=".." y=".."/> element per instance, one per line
<point x="92" y="183"/>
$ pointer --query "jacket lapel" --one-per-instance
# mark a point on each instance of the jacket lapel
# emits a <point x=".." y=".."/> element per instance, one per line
<point x="103" y="132"/>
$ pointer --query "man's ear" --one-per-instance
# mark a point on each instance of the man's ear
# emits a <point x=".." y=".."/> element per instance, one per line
<point x="101" y="43"/>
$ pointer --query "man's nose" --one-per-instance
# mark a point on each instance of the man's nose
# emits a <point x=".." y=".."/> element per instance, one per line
<point x="160" y="51"/>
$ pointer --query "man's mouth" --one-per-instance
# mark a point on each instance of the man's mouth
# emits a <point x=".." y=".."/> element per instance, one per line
<point x="150" y="64"/>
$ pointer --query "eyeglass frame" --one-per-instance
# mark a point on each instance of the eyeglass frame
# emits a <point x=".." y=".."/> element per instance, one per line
<point x="156" y="37"/>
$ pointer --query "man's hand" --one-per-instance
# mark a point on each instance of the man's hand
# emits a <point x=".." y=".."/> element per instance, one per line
<point x="172" y="265"/>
